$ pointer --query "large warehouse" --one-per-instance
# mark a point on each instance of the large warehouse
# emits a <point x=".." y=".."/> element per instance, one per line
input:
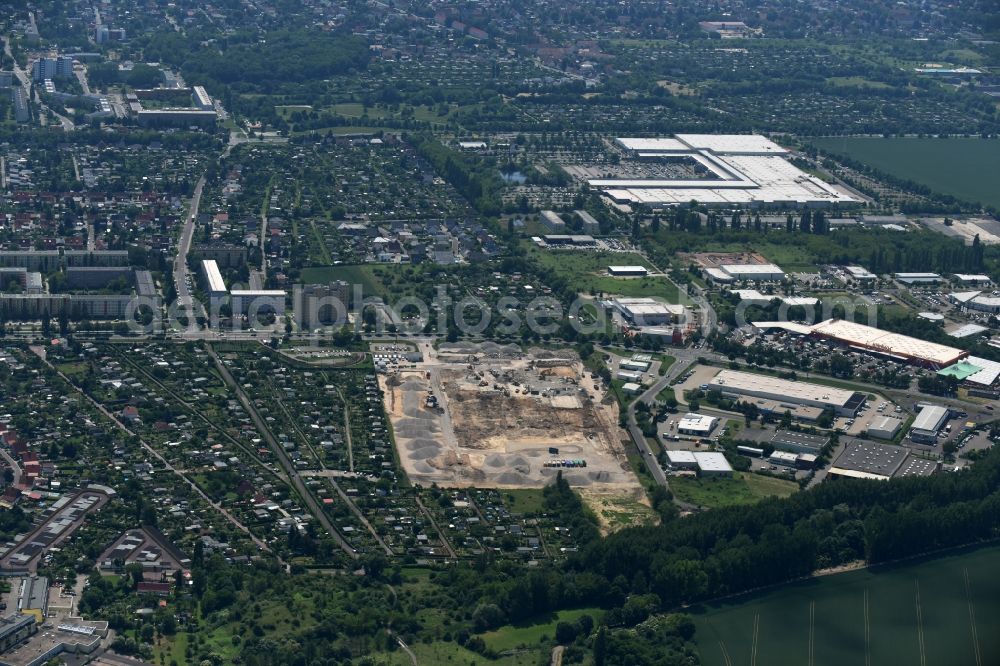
<point x="866" y="460"/>
<point x="736" y="384"/>
<point x="876" y="341"/>
<point x="731" y="170"/>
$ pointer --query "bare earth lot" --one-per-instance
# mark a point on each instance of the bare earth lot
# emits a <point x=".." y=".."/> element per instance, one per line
<point x="499" y="411"/>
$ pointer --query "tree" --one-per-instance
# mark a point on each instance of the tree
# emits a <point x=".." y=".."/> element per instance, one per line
<point x="601" y="646"/>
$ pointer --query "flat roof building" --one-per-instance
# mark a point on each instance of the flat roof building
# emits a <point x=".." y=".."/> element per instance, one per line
<point x="631" y="388"/>
<point x="575" y="240"/>
<point x="976" y="279"/>
<point x="984" y="303"/>
<point x="735" y="383"/>
<point x="743" y="169"/>
<point x="918" y="278"/>
<point x="629" y="376"/>
<point x="646" y="311"/>
<point x="682" y="459"/>
<point x="884" y="427"/>
<point x="756" y="298"/>
<point x="253" y="302"/>
<point x="201" y="99"/>
<point x="627" y="271"/>
<point x="798" y="442"/>
<point x="860" y="274"/>
<point x="699" y="425"/>
<point x="14" y="629"/>
<point x="974" y="370"/>
<point x="928" y="423"/>
<point x="894" y="345"/>
<point x="590" y="223"/>
<point x="867" y="460"/>
<point x="756" y="272"/>
<point x="214" y="284"/>
<point x="711" y="463"/>
<point x="552" y="221"/>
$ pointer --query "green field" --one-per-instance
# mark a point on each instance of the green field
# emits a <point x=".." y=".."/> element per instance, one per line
<point x="511" y="637"/>
<point x="352" y="275"/>
<point x="964" y="168"/>
<point x="940" y="612"/>
<point x="587" y="271"/>
<point x="741" y="488"/>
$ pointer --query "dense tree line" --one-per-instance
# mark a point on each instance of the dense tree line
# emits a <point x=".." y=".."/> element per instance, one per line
<point x="475" y="179"/>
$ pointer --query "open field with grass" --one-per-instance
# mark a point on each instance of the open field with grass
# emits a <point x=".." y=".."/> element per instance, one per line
<point x="510" y="637"/>
<point x="742" y="488"/>
<point x="587" y="271"/>
<point x="964" y="168"/>
<point x="938" y="612"/>
<point x="454" y="654"/>
<point x="352" y="275"/>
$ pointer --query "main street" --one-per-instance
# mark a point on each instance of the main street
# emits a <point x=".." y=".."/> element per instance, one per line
<point x="181" y="274"/>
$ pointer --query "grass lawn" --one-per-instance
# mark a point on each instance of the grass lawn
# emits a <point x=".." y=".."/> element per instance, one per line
<point x="856" y="81"/>
<point x="939" y="611"/>
<point x="524" y="501"/>
<point x="510" y="637"/>
<point x="352" y="275"/>
<point x="587" y="271"/>
<point x="71" y="369"/>
<point x="741" y="488"/>
<point x="964" y="168"/>
<point x="340" y="130"/>
<point x="444" y="654"/>
<point x="666" y="393"/>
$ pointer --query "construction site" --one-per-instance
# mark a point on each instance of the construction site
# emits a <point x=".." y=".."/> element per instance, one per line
<point x="493" y="416"/>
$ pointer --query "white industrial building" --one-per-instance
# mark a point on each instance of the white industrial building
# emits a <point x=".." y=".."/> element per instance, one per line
<point x="634" y="365"/>
<point x="754" y="297"/>
<point x="884" y="427"/>
<point x="755" y="272"/>
<point x="682" y="459"/>
<point x="876" y="341"/>
<point x="746" y="169"/>
<point x="967" y="331"/>
<point x="928" y="423"/>
<point x="860" y="274"/>
<point x="708" y="463"/>
<point x="975" y="280"/>
<point x="698" y="425"/>
<point x="646" y="311"/>
<point x="980" y="372"/>
<point x="629" y="376"/>
<point x="984" y="303"/>
<point x="902" y="347"/>
<point x="711" y="463"/>
<point x="627" y="271"/>
<point x="735" y="384"/>
<point x="918" y="278"/>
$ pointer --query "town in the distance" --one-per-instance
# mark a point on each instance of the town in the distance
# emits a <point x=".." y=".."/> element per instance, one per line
<point x="499" y="333"/>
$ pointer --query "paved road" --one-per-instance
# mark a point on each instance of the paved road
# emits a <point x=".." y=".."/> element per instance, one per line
<point x="13" y="466"/>
<point x="684" y="358"/>
<point x="184" y="299"/>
